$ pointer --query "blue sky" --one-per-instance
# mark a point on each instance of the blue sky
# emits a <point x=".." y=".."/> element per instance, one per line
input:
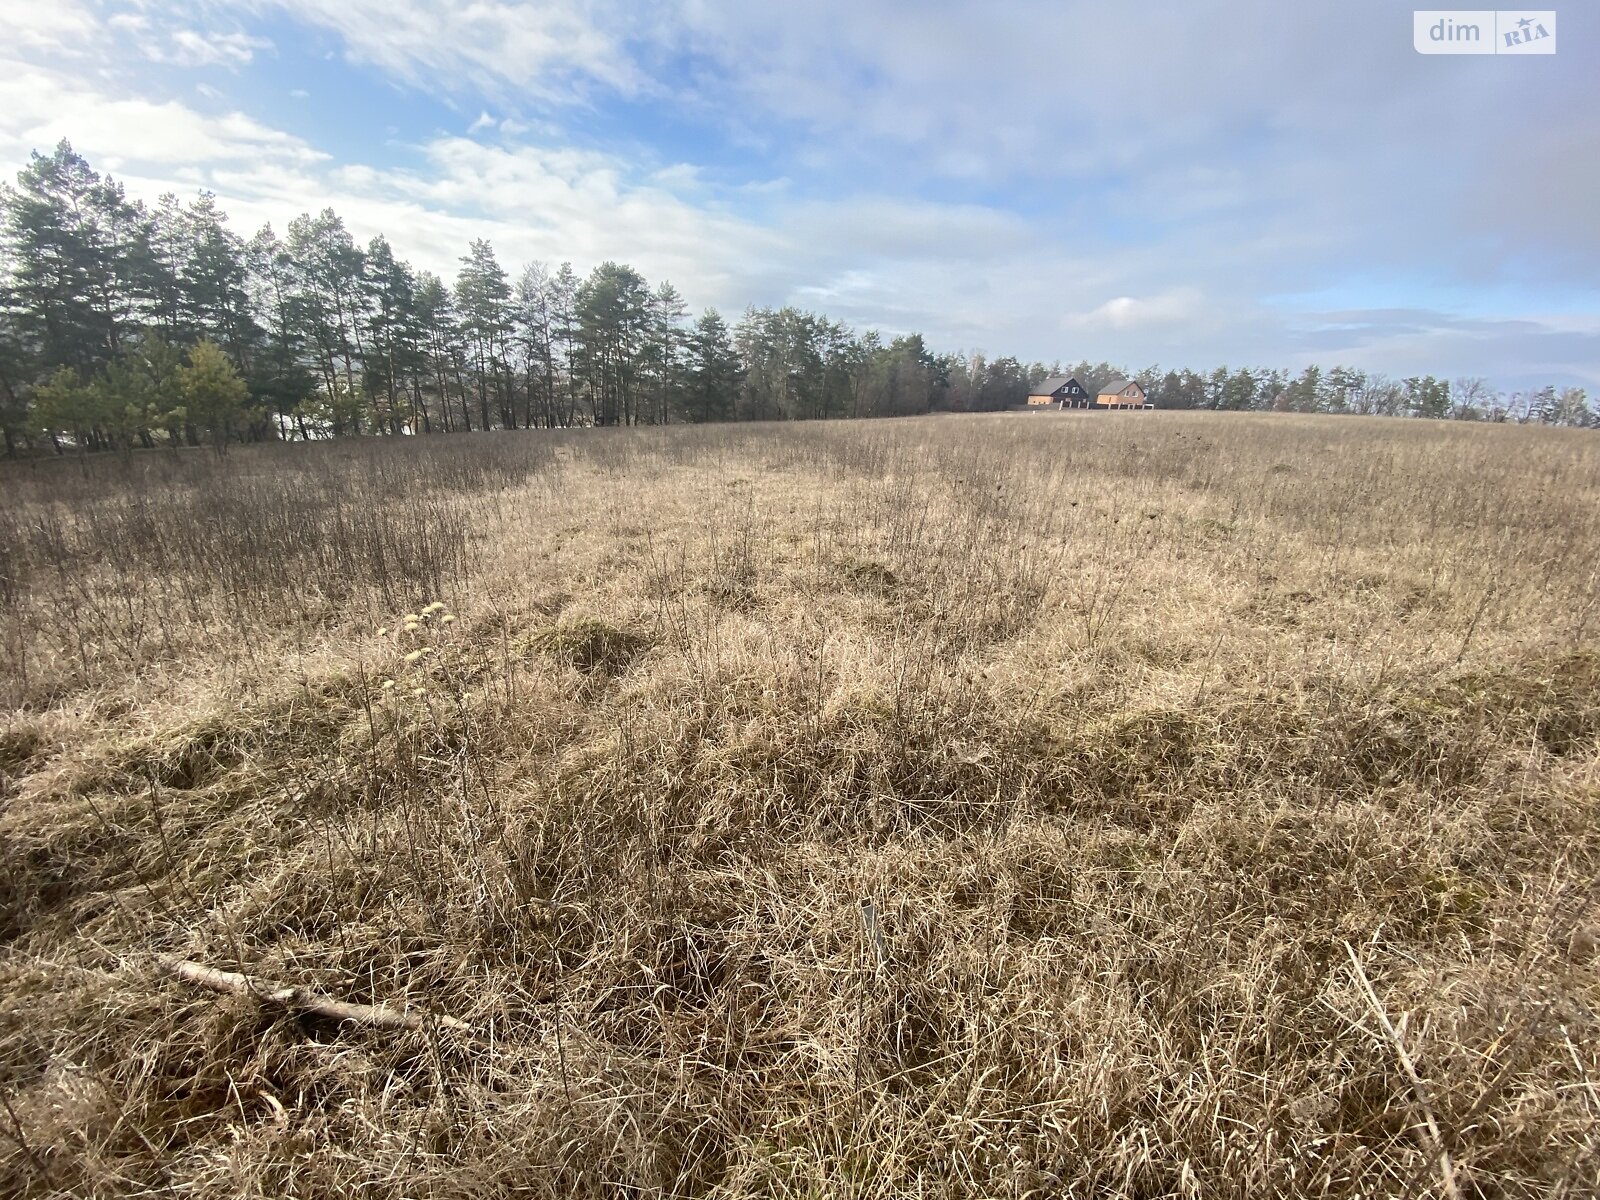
<point x="1185" y="183"/>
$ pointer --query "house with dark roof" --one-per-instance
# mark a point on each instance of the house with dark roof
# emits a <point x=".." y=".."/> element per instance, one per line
<point x="1064" y="391"/>
<point x="1121" y="393"/>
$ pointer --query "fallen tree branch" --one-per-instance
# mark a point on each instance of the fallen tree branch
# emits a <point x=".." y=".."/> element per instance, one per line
<point x="1434" y="1143"/>
<point x="302" y="999"/>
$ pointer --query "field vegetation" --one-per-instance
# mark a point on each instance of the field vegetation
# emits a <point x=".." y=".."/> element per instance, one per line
<point x="1159" y="805"/>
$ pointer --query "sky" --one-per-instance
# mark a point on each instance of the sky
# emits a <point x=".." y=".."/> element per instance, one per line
<point x="1261" y="182"/>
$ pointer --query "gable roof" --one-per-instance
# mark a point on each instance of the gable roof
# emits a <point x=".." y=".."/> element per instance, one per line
<point x="1116" y="385"/>
<point x="1052" y="385"/>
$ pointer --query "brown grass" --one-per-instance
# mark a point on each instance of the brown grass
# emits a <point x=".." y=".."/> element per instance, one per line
<point x="1128" y="727"/>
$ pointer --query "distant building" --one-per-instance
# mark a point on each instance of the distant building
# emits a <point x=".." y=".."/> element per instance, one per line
<point x="1064" y="391"/>
<point x="1121" y="393"/>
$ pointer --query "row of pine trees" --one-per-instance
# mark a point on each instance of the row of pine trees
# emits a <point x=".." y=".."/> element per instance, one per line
<point x="124" y="325"/>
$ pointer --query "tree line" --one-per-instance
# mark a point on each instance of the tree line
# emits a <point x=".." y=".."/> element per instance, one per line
<point x="125" y="325"/>
<point x="1361" y="393"/>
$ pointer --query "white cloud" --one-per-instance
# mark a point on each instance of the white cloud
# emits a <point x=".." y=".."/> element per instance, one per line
<point x="55" y="24"/>
<point x="511" y="127"/>
<point x="72" y="29"/>
<point x="128" y="22"/>
<point x="39" y="107"/>
<point x="193" y="48"/>
<point x="496" y="46"/>
<point x="1127" y="313"/>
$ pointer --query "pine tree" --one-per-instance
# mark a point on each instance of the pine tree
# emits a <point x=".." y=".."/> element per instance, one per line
<point x="483" y="301"/>
<point x="13" y="382"/>
<point x="168" y="251"/>
<point x="394" y="357"/>
<point x="61" y="405"/>
<point x="72" y="241"/>
<point x="443" y="356"/>
<point x="214" y="279"/>
<point x="564" y="333"/>
<point x="328" y="269"/>
<point x="534" y="333"/>
<point x="213" y="392"/>
<point x="663" y="351"/>
<point x="714" y="372"/>
<point x="279" y="378"/>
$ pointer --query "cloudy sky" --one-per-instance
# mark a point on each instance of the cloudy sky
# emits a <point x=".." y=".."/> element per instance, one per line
<point x="1173" y="181"/>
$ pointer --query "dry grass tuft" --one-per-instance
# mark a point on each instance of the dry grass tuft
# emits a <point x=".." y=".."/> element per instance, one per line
<point x="1225" y="790"/>
<point x="587" y="644"/>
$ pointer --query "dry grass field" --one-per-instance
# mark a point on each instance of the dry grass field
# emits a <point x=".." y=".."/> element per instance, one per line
<point x="1226" y="790"/>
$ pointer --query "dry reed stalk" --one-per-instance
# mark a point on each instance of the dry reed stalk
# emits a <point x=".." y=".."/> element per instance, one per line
<point x="869" y="919"/>
<point x="1435" y="1141"/>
